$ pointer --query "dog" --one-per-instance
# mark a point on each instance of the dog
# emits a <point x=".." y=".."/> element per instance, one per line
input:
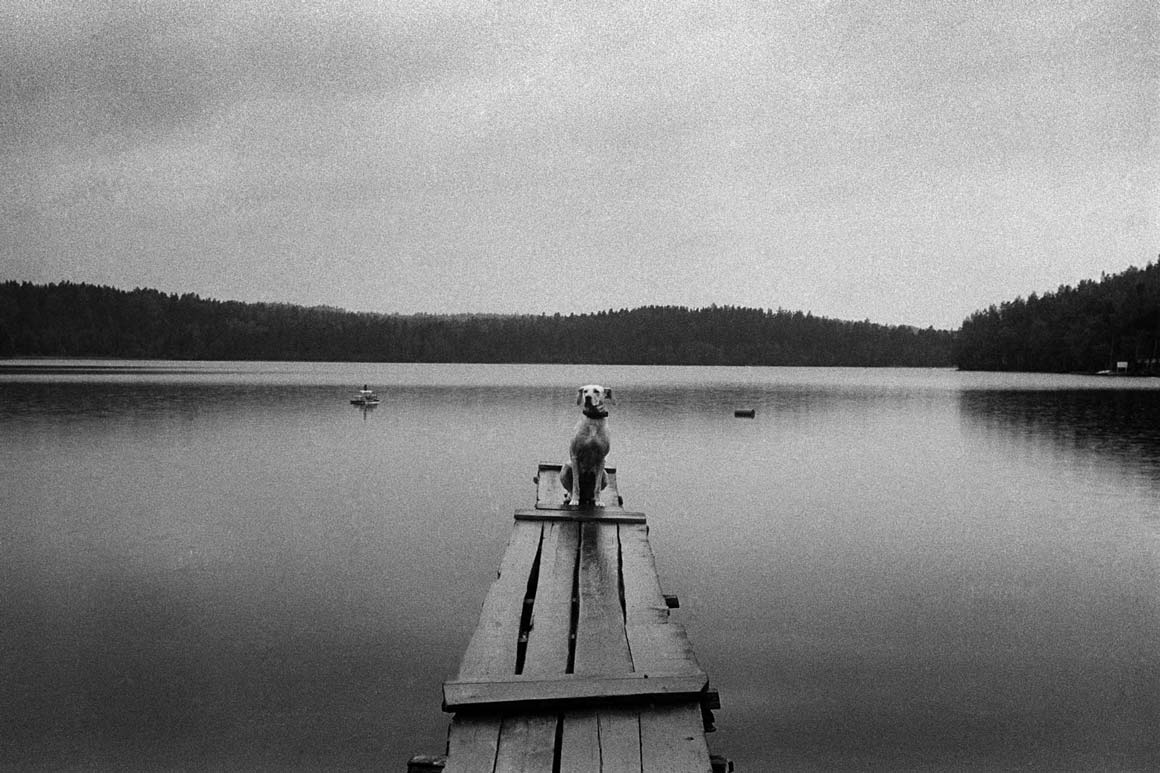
<point x="583" y="476"/>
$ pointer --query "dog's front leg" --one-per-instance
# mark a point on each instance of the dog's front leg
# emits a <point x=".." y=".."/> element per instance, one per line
<point x="574" y="491"/>
<point x="597" y="479"/>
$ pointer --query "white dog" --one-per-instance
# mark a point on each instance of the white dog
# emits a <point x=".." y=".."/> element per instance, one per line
<point x="583" y="476"/>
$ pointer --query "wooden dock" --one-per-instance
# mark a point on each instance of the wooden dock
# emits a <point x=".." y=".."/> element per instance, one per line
<point x="576" y="664"/>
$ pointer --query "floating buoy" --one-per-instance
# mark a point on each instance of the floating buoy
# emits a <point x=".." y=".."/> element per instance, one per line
<point x="745" y="413"/>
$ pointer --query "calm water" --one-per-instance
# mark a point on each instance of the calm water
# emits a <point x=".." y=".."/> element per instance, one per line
<point x="221" y="565"/>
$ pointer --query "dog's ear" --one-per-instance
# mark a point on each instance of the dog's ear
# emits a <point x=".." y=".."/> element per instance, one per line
<point x="579" y="395"/>
<point x="608" y="396"/>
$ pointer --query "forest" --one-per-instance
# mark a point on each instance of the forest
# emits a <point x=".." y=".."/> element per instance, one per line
<point x="81" y="320"/>
<point x="1110" y="325"/>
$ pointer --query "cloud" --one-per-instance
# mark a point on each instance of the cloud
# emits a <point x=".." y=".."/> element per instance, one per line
<point x="126" y="67"/>
<point x="814" y="153"/>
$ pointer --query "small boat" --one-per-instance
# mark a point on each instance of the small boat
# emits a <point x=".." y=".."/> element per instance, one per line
<point x="365" y="397"/>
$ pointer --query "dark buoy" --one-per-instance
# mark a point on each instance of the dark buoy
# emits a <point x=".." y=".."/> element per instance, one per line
<point x="745" y="413"/>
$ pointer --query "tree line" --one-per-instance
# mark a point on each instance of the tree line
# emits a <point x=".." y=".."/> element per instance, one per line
<point x="81" y="320"/>
<point x="1106" y="325"/>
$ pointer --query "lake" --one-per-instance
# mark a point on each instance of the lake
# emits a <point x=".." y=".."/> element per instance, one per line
<point x="228" y="566"/>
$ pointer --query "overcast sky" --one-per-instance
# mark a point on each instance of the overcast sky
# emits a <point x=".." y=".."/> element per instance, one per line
<point x="906" y="162"/>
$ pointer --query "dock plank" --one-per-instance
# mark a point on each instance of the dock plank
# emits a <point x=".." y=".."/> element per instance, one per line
<point x="549" y="490"/>
<point x="672" y="740"/>
<point x="619" y="741"/>
<point x="571" y="690"/>
<point x="662" y="649"/>
<point x="472" y="743"/>
<point x="601" y="642"/>
<point x="527" y="744"/>
<point x="580" y="743"/>
<point x="492" y="649"/>
<point x="600" y="514"/>
<point x="548" y="645"/>
<point x="643" y="599"/>
<point x="657" y="644"/>
<point x="550" y="493"/>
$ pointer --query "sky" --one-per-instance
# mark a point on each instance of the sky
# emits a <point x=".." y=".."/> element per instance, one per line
<point x="902" y="162"/>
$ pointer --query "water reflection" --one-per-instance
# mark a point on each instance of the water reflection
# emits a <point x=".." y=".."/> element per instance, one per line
<point x="222" y="575"/>
<point x="366" y="408"/>
<point x="1114" y="428"/>
<point x="891" y="569"/>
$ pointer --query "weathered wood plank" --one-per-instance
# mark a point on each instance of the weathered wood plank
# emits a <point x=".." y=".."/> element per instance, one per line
<point x="619" y="741"/>
<point x="601" y="644"/>
<point x="642" y="589"/>
<point x="547" y="652"/>
<point x="550" y="493"/>
<point x="472" y="743"/>
<point x="527" y="744"/>
<point x="672" y="740"/>
<point x="549" y="490"/>
<point x="492" y="649"/>
<point x="662" y="648"/>
<point x="580" y="743"/>
<point x="570" y="690"/>
<point x="657" y="644"/>
<point x="602" y="515"/>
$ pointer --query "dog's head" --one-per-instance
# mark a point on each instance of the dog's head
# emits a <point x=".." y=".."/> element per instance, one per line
<point x="593" y="396"/>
